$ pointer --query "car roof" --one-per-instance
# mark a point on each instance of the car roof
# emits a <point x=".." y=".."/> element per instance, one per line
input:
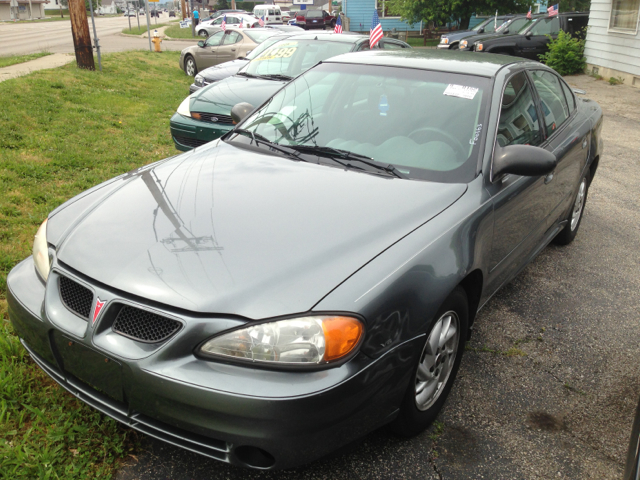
<point x="484" y="65"/>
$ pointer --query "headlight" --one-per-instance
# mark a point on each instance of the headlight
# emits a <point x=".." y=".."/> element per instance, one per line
<point x="444" y="40"/>
<point x="310" y="340"/>
<point x="199" y="80"/>
<point x="183" y="109"/>
<point x="463" y="44"/>
<point x="478" y="47"/>
<point x="41" y="251"/>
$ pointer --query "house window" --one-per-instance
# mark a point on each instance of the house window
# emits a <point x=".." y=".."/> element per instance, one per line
<point x="624" y="16"/>
<point x="383" y="9"/>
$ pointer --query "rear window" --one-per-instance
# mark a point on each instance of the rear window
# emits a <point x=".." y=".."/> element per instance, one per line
<point x="314" y="14"/>
<point x="260" y="36"/>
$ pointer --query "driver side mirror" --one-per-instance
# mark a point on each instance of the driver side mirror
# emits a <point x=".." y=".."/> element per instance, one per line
<point x="524" y="160"/>
<point x="481" y="30"/>
<point x="506" y="30"/>
<point x="201" y="43"/>
<point x="240" y="111"/>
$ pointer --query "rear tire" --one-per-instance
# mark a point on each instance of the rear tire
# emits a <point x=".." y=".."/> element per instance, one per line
<point x="203" y="33"/>
<point x="436" y="367"/>
<point x="574" y="218"/>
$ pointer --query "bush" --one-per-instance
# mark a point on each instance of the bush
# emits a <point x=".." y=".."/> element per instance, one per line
<point x="565" y="54"/>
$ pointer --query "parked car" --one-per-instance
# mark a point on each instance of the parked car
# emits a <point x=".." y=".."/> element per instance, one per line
<point x="130" y="13"/>
<point x="221" y="47"/>
<point x="451" y="40"/>
<point x="224" y="70"/>
<point x="309" y="19"/>
<point x="206" y="114"/>
<point x="314" y="275"/>
<point x="154" y="13"/>
<point x="269" y="13"/>
<point x="533" y="41"/>
<point x="205" y="29"/>
<point x="512" y="26"/>
<point x="632" y="465"/>
<point x="172" y="13"/>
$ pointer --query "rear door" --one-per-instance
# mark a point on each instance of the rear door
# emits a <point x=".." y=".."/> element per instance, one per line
<point x="567" y="137"/>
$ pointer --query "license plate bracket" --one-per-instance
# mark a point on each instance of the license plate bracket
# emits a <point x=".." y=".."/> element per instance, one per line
<point x="90" y="366"/>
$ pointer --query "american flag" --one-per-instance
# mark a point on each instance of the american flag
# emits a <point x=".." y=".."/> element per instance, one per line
<point x="338" y="27"/>
<point x="376" y="30"/>
<point x="261" y="21"/>
<point x="553" y="11"/>
<point x="223" y="25"/>
<point x="529" y="14"/>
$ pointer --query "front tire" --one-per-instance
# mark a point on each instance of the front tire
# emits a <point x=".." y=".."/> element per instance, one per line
<point x="570" y="230"/>
<point x="203" y="33"/>
<point x="436" y="367"/>
<point x="190" y="67"/>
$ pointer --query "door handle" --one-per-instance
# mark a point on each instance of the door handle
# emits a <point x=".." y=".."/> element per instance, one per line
<point x="584" y="143"/>
<point x="549" y="177"/>
<point x="233" y="49"/>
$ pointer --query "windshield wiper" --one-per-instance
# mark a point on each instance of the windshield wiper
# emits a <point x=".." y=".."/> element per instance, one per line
<point x="276" y="76"/>
<point x="256" y="137"/>
<point x="350" y="156"/>
<point x="245" y="74"/>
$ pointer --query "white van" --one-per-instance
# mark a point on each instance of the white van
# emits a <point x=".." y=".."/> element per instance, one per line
<point x="271" y="13"/>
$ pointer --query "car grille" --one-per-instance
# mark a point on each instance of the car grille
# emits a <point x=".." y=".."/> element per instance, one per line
<point x="190" y="142"/>
<point x="144" y="326"/>
<point x="214" y="117"/>
<point x="75" y="297"/>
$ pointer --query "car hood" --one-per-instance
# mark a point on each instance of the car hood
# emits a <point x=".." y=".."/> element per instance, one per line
<point x="224" y="70"/>
<point x="458" y="34"/>
<point x="230" y="231"/>
<point x="221" y="96"/>
<point x="491" y="37"/>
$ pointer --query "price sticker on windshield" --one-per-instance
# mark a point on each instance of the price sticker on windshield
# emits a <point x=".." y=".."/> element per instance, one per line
<point x="460" y="91"/>
<point x="281" y="52"/>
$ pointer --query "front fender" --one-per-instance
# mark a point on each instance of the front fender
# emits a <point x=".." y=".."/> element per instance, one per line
<point x="400" y="290"/>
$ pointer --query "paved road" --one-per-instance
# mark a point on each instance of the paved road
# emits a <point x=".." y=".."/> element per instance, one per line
<point x="55" y="37"/>
<point x="563" y="409"/>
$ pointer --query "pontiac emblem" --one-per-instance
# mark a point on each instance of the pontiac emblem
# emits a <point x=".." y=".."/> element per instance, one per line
<point x="96" y="309"/>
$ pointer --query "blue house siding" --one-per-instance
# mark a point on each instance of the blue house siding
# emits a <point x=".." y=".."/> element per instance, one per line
<point x="360" y="12"/>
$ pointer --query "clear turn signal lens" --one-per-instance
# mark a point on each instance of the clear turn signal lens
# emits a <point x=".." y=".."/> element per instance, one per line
<point x="297" y="341"/>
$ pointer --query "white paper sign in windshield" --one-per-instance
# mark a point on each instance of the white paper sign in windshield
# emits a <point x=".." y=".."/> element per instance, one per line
<point x="460" y="91"/>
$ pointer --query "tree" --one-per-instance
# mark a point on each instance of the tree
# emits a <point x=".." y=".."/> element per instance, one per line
<point x="443" y="11"/>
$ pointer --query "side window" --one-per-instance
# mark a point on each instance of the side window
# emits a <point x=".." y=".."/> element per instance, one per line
<point x="569" y="96"/>
<point x="231" y="37"/>
<point x="363" y="47"/>
<point x="217" y="21"/>
<point x="232" y="21"/>
<point x="272" y="12"/>
<point x="546" y="26"/>
<point x="518" y="116"/>
<point x="215" y="39"/>
<point x="554" y="105"/>
<point x="391" y="46"/>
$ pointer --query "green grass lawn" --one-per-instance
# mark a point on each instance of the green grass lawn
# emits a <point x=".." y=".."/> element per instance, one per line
<point x="63" y="131"/>
<point x="176" y="32"/>
<point x="8" y="60"/>
<point x="143" y="26"/>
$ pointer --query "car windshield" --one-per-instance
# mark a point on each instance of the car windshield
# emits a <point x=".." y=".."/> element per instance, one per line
<point x="513" y="25"/>
<point x="264" y="45"/>
<point x="428" y="125"/>
<point x="259" y="36"/>
<point x="292" y="57"/>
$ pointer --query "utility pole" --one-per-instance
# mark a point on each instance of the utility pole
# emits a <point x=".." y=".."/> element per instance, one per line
<point x="193" y="20"/>
<point x="30" y="11"/>
<point x="148" y="25"/>
<point x="95" y="35"/>
<point x="81" y="36"/>
<point x="183" y="8"/>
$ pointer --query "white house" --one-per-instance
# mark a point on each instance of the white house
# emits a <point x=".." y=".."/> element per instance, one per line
<point x="23" y="11"/>
<point x="108" y="7"/>
<point x="613" y="40"/>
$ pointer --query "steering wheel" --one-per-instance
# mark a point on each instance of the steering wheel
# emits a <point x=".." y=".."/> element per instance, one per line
<point x="428" y="134"/>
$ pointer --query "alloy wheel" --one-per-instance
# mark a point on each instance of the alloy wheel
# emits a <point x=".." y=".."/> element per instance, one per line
<point x="437" y="360"/>
<point x="578" y="204"/>
<point x="191" y="67"/>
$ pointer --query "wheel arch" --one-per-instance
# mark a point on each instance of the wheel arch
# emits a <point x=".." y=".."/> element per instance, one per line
<point x="472" y="285"/>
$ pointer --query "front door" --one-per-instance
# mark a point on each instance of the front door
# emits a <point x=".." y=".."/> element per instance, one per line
<point x="521" y="205"/>
<point x="229" y="48"/>
<point x="207" y="56"/>
<point x="534" y="42"/>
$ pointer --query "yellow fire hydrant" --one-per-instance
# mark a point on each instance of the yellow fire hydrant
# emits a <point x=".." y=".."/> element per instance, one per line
<point x="156" y="41"/>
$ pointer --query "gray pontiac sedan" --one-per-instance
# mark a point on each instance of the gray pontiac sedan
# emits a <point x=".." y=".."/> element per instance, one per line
<point x="314" y="274"/>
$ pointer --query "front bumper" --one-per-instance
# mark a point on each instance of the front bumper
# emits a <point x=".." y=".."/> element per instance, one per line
<point x="443" y="46"/>
<point x="188" y="133"/>
<point x="236" y="414"/>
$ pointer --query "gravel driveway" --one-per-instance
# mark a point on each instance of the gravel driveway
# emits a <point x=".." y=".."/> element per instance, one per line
<point x="550" y="379"/>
